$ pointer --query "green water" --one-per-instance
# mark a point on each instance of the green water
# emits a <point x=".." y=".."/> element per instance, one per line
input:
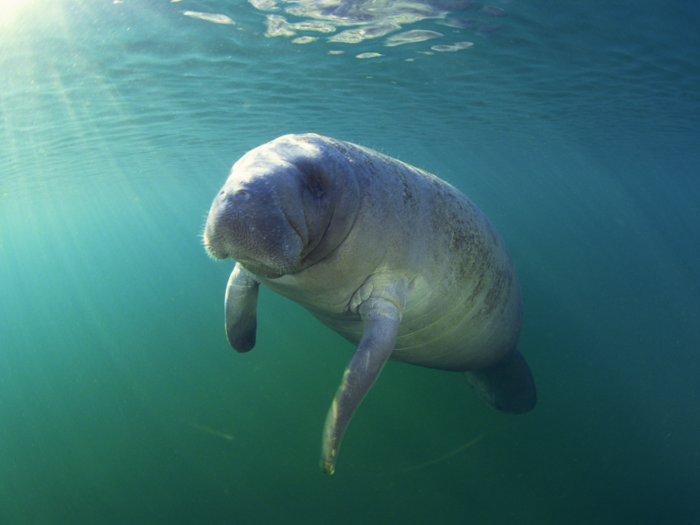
<point x="574" y="126"/>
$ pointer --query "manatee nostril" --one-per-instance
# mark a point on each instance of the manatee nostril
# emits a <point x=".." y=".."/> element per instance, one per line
<point x="241" y="194"/>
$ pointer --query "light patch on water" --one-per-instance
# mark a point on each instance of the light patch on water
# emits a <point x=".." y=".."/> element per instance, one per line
<point x="354" y="12"/>
<point x="369" y="55"/>
<point x="304" y="39"/>
<point x="410" y="37"/>
<point x="354" y="36"/>
<point x="264" y="5"/>
<point x="278" y="26"/>
<point x="374" y="19"/>
<point x="454" y="47"/>
<point x="210" y="17"/>
<point x="314" y="25"/>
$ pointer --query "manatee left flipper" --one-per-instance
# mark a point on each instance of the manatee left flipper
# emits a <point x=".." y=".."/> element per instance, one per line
<point x="381" y="319"/>
<point x="241" y="303"/>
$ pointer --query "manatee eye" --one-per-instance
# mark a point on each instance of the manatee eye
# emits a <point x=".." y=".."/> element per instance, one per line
<point x="242" y="194"/>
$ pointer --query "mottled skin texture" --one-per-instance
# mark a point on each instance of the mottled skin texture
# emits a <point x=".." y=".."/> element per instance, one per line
<point x="391" y="257"/>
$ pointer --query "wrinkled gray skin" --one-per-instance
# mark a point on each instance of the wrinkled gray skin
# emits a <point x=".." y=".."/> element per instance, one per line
<point x="392" y="258"/>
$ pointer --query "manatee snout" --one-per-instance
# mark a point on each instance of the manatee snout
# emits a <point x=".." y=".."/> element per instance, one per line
<point x="246" y="223"/>
<point x="213" y="238"/>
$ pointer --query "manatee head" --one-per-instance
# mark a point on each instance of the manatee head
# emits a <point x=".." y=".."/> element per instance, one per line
<point x="286" y="205"/>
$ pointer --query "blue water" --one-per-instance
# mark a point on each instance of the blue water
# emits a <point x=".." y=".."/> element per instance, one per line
<point x="574" y="125"/>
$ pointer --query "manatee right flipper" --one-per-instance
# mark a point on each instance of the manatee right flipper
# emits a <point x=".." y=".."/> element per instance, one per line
<point x="507" y="385"/>
<point x="381" y="320"/>
<point x="241" y="303"/>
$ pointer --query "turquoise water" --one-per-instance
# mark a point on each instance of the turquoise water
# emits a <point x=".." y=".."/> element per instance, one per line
<point x="574" y="125"/>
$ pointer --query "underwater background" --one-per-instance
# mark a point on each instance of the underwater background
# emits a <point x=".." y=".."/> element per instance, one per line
<point x="575" y="126"/>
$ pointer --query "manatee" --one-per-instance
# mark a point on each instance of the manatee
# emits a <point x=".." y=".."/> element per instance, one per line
<point x="392" y="258"/>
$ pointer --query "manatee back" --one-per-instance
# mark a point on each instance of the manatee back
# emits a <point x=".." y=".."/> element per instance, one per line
<point x="464" y="309"/>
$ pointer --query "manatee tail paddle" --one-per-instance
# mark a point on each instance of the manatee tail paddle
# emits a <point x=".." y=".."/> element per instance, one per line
<point x="507" y="386"/>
